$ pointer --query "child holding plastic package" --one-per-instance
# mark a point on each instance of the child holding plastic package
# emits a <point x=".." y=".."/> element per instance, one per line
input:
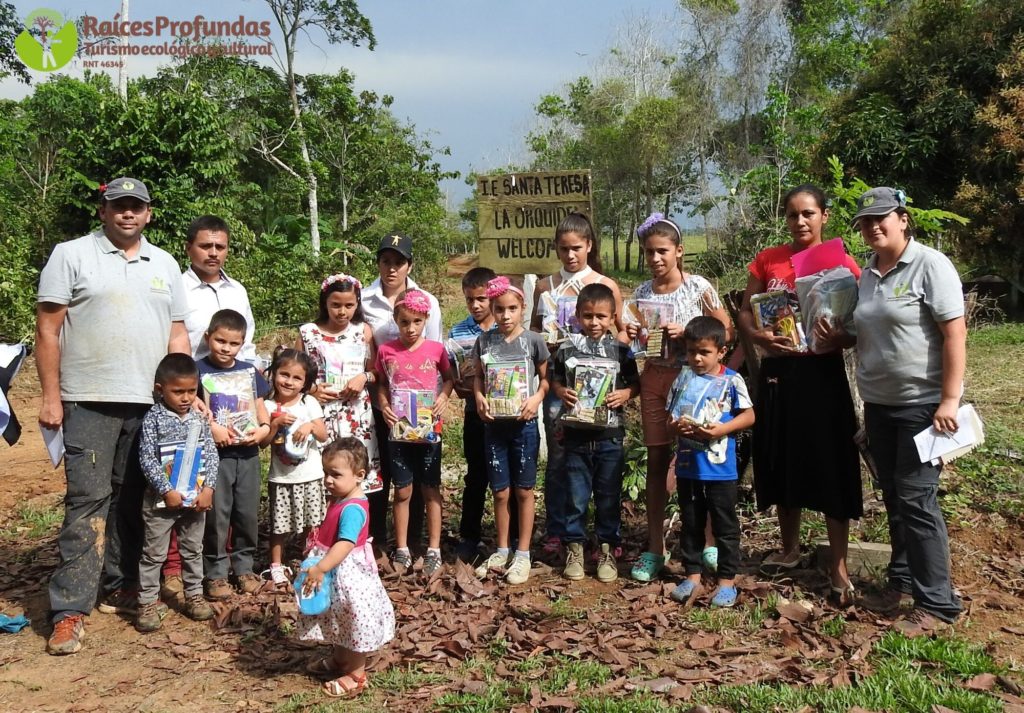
<point x="235" y="391"/>
<point x="360" y="619"/>
<point x="179" y="459"/>
<point x="296" y="488"/>
<point x="594" y="376"/>
<point x="509" y="360"/>
<point x="415" y="383"/>
<point x="708" y="405"/>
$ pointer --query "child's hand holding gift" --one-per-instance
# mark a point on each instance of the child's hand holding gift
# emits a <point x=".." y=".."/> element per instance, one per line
<point x="618" y="398"/>
<point x="204" y="501"/>
<point x="173" y="500"/>
<point x="314" y="580"/>
<point x="302" y="432"/>
<point x="529" y="409"/>
<point x="439" y="403"/>
<point x="222" y="435"/>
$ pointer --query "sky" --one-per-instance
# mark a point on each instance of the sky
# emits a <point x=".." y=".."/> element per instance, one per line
<point x="466" y="74"/>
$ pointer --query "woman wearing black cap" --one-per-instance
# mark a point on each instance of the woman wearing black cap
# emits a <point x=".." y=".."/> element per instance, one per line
<point x="394" y="261"/>
<point x="912" y="349"/>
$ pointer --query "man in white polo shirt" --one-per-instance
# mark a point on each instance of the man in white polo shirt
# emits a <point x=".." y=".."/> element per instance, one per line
<point x="209" y="289"/>
<point x="110" y="306"/>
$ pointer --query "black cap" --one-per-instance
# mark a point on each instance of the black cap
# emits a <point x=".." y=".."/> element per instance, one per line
<point x="401" y="244"/>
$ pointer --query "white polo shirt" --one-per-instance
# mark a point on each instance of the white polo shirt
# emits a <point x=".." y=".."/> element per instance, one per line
<point x="380" y="315"/>
<point x="118" y="322"/>
<point x="207" y="298"/>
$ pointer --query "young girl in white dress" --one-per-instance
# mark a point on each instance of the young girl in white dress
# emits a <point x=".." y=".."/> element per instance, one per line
<point x="360" y="619"/>
<point x="340" y="342"/>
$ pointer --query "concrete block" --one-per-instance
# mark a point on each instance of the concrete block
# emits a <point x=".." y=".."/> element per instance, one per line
<point x="864" y="559"/>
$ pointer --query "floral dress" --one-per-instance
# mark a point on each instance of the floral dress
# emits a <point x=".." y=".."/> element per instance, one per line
<point x="361" y="617"/>
<point x="337" y="357"/>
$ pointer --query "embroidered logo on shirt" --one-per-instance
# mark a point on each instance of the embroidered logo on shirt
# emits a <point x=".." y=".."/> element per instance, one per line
<point x="158" y="284"/>
<point x="900" y="289"/>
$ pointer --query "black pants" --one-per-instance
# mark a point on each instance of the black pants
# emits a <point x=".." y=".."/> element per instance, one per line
<point x="917" y="530"/>
<point x="380" y="500"/>
<point x="474" y="494"/>
<point x="698" y="499"/>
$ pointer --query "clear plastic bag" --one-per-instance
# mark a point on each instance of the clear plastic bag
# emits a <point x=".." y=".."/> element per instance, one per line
<point x="830" y="294"/>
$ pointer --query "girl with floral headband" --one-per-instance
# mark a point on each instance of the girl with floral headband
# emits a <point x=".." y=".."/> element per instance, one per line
<point x="340" y="343"/>
<point x="673" y="297"/>
<point x="415" y="383"/>
<point x="509" y="360"/>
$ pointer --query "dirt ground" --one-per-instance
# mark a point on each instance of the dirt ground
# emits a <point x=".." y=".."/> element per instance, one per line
<point x="245" y="665"/>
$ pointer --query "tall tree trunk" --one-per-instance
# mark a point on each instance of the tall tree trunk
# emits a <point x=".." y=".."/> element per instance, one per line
<point x="122" y="68"/>
<point x="615" y="241"/>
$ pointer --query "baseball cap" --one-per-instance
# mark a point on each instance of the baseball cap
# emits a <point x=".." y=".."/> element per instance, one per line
<point x="879" y="202"/>
<point x="124" y="186"/>
<point x="402" y="244"/>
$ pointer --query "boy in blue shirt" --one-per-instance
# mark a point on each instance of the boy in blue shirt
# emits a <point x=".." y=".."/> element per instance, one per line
<point x="463" y="336"/>
<point x="709" y="404"/>
<point x="235" y="391"/>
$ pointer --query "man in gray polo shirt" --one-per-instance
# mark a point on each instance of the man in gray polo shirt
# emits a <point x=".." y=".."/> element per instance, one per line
<point x="110" y="306"/>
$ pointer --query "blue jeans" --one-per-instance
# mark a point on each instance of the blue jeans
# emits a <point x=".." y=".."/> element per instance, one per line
<point x="593" y="467"/>
<point x="512" y="448"/>
<point x="555" y="485"/>
<point x="418" y="463"/>
<point x="917" y="530"/>
<point x="100" y="541"/>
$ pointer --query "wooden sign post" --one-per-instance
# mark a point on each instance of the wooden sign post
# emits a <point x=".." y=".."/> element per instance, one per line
<point x="518" y="214"/>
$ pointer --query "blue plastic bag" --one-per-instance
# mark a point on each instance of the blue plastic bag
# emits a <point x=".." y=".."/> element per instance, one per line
<point x="319" y="601"/>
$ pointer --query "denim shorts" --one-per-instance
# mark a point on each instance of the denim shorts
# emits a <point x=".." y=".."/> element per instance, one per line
<point x="511" y="448"/>
<point x="415" y="463"/>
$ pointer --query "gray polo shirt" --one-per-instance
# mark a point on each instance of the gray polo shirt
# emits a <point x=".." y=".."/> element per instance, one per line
<point x="899" y="344"/>
<point x="119" y="316"/>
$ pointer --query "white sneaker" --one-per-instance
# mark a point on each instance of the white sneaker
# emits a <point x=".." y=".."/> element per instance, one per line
<point x="496" y="562"/>
<point x="279" y="574"/>
<point x="519" y="571"/>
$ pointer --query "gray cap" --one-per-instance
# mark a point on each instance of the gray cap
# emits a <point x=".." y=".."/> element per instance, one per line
<point x="879" y="202"/>
<point x="124" y="186"/>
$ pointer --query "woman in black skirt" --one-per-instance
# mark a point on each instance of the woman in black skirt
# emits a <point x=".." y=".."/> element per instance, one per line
<point x="803" y="448"/>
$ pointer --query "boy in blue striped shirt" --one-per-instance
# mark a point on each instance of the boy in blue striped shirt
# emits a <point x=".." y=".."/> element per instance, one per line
<point x="462" y="337"/>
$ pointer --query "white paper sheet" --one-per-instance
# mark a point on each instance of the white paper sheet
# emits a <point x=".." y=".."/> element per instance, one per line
<point x="933" y="445"/>
<point x="54" y="440"/>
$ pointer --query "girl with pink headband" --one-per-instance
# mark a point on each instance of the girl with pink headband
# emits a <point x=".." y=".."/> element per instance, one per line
<point x="413" y="370"/>
<point x="340" y="343"/>
<point x="509" y="384"/>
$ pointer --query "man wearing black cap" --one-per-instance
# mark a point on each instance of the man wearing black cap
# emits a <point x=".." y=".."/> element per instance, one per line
<point x="394" y="261"/>
<point x="110" y="306"/>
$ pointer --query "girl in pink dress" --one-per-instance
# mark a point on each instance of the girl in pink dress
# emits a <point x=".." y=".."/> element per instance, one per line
<point x="360" y="619"/>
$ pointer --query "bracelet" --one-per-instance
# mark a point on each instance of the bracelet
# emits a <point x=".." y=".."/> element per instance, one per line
<point x="369" y="377"/>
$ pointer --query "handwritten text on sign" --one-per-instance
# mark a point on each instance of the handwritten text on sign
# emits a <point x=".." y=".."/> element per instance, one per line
<point x="518" y="214"/>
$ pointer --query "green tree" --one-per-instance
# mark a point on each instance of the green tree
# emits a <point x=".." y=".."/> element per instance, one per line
<point x="340" y="21"/>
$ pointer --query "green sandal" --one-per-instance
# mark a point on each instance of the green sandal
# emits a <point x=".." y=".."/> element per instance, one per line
<point x="648" y="566"/>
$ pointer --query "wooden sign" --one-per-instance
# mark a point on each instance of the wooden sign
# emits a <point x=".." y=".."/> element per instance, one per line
<point x="518" y="214"/>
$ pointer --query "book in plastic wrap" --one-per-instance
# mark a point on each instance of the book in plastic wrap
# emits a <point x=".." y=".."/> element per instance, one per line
<point x="415" y="411"/>
<point x="698" y="398"/>
<point x="231" y="398"/>
<point x="507" y="386"/>
<point x="651" y="316"/>
<point x="184" y="465"/>
<point x="593" y="380"/>
<point x="774" y="310"/>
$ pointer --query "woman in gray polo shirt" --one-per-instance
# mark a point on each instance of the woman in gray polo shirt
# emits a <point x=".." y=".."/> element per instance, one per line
<point x="911" y="344"/>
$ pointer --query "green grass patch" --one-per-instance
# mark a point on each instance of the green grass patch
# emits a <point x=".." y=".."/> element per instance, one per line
<point x="633" y="703"/>
<point x="994" y="335"/>
<point x="33" y="521"/>
<point x="715" y="620"/>
<point x="909" y="675"/>
<point x="405" y="678"/>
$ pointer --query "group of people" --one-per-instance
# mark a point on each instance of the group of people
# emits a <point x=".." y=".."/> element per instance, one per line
<point x="334" y="410"/>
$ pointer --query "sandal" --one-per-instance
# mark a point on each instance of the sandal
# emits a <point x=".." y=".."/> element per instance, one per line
<point x="337" y="688"/>
<point x="780" y="560"/>
<point x="725" y="597"/>
<point x="323" y="666"/>
<point x="648" y="566"/>
<point x="686" y="591"/>
<point x="843" y="597"/>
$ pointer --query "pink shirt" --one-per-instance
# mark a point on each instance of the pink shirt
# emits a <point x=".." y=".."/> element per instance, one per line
<point x="416" y="369"/>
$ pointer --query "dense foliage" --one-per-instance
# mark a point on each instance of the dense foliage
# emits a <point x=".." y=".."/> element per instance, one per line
<point x="198" y="134"/>
<point x="715" y="117"/>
